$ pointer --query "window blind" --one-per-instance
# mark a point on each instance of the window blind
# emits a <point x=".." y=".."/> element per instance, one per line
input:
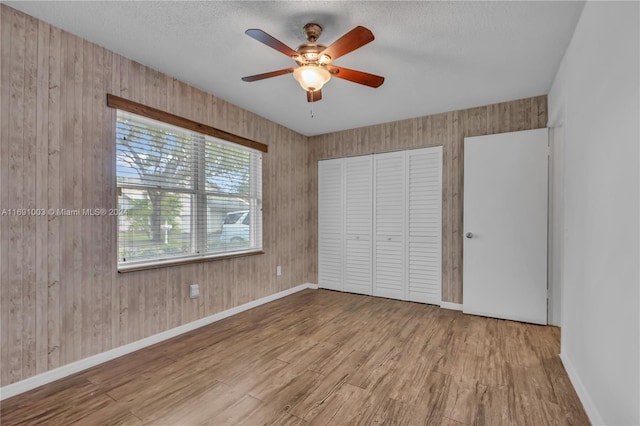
<point x="186" y="195"/>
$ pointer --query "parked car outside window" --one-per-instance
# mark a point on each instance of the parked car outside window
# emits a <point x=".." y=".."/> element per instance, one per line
<point x="236" y="226"/>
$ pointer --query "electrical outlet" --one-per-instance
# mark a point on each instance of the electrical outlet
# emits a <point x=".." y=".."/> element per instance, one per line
<point x="278" y="270"/>
<point x="194" y="291"/>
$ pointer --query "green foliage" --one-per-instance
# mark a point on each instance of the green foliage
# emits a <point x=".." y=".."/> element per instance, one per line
<point x="141" y="212"/>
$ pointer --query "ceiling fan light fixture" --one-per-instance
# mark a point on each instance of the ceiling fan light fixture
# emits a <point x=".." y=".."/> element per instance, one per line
<point x="311" y="77"/>
<point x="324" y="59"/>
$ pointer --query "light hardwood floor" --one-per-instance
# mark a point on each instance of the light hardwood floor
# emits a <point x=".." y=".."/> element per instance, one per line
<point x="324" y="357"/>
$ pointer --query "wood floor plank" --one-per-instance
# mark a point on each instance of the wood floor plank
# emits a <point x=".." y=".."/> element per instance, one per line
<point x="463" y="401"/>
<point x="284" y="399"/>
<point x="112" y="414"/>
<point x="389" y="412"/>
<point x="340" y="408"/>
<point x="199" y="409"/>
<point x="64" y="407"/>
<point x="286" y="419"/>
<point x="383" y="357"/>
<point x="259" y="380"/>
<point x="236" y="413"/>
<point x="432" y="399"/>
<point x="565" y="394"/>
<point x="324" y="358"/>
<point x="113" y="372"/>
<point x="338" y="376"/>
<point x="497" y="406"/>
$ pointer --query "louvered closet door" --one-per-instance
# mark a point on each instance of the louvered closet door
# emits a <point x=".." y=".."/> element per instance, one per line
<point x="389" y="226"/>
<point x="358" y="224"/>
<point x="424" y="207"/>
<point x="330" y="224"/>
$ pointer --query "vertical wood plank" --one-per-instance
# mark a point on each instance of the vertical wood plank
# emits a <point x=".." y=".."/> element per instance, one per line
<point x="405" y="133"/>
<point x="77" y="45"/>
<point x="67" y="284"/>
<point x="215" y="294"/>
<point x="88" y="290"/>
<point x="309" y="213"/>
<point x="101" y="284"/>
<point x="230" y="295"/>
<point x="15" y="199"/>
<point x="447" y="253"/>
<point x="269" y="203"/>
<point x="299" y="207"/>
<point x="5" y="104"/>
<point x="456" y="139"/>
<point x="54" y="198"/>
<point x="110" y="193"/>
<point x="41" y="196"/>
<point x="29" y="153"/>
<point x="543" y="112"/>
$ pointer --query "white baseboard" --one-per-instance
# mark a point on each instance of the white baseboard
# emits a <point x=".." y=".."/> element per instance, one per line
<point x="581" y="390"/>
<point x="83" y="364"/>
<point x="452" y="306"/>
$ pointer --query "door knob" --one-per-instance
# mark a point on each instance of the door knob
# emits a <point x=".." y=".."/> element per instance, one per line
<point x="469" y="235"/>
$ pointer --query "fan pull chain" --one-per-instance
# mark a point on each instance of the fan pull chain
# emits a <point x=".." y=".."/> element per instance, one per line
<point x="311" y="112"/>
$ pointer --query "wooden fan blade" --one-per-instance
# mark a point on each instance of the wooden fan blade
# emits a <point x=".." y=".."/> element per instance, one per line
<point x="267" y="75"/>
<point x="359" y="77"/>
<point x="314" y="96"/>
<point x="357" y="37"/>
<point x="272" y="42"/>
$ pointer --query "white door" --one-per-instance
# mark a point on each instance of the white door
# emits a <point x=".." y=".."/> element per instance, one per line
<point x="505" y="226"/>
<point x="330" y="224"/>
<point x="358" y="223"/>
<point x="389" y="225"/>
<point x="424" y="233"/>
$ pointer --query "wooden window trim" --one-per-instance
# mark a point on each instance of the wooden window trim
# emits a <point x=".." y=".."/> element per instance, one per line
<point x="156" y="114"/>
<point x="179" y="262"/>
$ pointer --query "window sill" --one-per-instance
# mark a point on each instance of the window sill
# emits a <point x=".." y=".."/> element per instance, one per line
<point x="178" y="262"/>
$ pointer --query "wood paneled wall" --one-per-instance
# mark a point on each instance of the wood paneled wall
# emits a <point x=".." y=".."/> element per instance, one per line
<point x="62" y="299"/>
<point x="449" y="130"/>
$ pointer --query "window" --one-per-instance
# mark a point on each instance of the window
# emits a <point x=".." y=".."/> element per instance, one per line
<point x="186" y="195"/>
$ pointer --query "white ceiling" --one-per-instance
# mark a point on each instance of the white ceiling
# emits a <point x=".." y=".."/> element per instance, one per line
<point x="435" y="56"/>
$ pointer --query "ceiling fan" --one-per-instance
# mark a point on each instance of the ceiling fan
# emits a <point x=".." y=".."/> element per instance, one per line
<point x="315" y="60"/>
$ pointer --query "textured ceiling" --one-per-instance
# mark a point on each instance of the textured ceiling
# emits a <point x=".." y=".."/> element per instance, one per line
<point x="435" y="56"/>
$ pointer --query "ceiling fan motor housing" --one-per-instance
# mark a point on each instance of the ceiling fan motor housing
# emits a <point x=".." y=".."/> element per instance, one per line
<point x="312" y="31"/>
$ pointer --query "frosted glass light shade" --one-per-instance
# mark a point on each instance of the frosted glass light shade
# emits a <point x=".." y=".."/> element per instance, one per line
<point x="311" y="77"/>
